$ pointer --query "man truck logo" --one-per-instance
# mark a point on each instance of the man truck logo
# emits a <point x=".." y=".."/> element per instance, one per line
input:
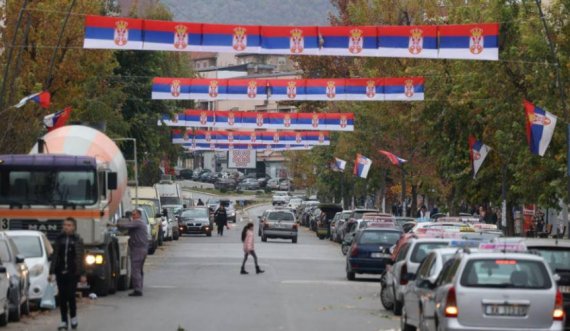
<point x="180" y="37"/>
<point x="355" y="41"/>
<point x="239" y="41"/>
<point x="416" y="44"/>
<point x="121" y="35"/>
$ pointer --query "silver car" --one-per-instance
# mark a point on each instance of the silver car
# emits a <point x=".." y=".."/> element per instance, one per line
<point x="497" y="291"/>
<point x="281" y="224"/>
<point x="406" y="265"/>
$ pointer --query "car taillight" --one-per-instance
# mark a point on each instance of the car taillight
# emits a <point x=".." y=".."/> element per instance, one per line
<point x="404" y="275"/>
<point x="558" y="313"/>
<point x="354" y="251"/>
<point x="451" y="304"/>
<point x="295" y="226"/>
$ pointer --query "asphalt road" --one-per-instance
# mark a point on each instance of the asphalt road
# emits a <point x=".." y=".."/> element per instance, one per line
<point x="194" y="284"/>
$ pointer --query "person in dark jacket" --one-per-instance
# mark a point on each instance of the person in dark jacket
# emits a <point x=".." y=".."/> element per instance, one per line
<point x="138" y="248"/>
<point x="200" y="202"/>
<point x="221" y="219"/>
<point x="67" y="266"/>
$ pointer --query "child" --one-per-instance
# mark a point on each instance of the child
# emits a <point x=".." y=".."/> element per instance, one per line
<point x="247" y="238"/>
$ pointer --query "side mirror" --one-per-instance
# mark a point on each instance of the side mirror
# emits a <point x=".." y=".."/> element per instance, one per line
<point x="112" y="181"/>
<point x="20" y="259"/>
<point x="425" y="283"/>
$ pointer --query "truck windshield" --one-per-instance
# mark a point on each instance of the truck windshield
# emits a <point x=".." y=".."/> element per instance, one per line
<point x="47" y="187"/>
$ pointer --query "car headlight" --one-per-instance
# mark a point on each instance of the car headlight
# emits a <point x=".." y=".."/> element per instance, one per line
<point x="91" y="259"/>
<point x="37" y="270"/>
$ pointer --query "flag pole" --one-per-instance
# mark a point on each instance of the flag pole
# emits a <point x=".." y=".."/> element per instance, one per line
<point x="404" y="211"/>
<point x="560" y="84"/>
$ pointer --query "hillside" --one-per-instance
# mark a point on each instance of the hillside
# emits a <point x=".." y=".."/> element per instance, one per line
<point x="262" y="12"/>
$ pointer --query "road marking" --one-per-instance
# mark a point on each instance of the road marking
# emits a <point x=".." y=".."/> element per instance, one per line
<point x="328" y="283"/>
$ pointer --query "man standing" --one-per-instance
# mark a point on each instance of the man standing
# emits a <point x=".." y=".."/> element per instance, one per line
<point x="138" y="246"/>
<point x="221" y="219"/>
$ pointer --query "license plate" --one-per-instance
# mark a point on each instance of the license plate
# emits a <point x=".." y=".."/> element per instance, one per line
<point x="564" y="289"/>
<point x="377" y="255"/>
<point x="506" y="310"/>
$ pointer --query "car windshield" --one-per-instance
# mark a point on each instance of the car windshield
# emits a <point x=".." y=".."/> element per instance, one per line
<point x="48" y="187"/>
<point x="148" y="210"/>
<point x="345" y="216"/>
<point x="557" y="257"/>
<point x="386" y="238"/>
<point x="506" y="273"/>
<point x="28" y="246"/>
<point x="421" y="250"/>
<point x="280" y="216"/>
<point x="195" y="213"/>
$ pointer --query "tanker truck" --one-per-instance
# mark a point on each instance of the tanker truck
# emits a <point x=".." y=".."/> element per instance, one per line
<point x="74" y="171"/>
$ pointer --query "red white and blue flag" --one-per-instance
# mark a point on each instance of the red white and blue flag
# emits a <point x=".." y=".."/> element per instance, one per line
<point x="348" y="40"/>
<point x="231" y="38"/>
<point x="58" y="119"/>
<point x="339" y="165"/>
<point x="172" y="36"/>
<point x="404" y="89"/>
<point x="418" y="41"/>
<point x="106" y="32"/>
<point x="540" y="126"/>
<point x="362" y="166"/>
<point x="394" y="159"/>
<point x="247" y="89"/>
<point x="293" y="40"/>
<point x="227" y="147"/>
<point x="41" y="98"/>
<point x="171" y="88"/>
<point x="469" y="41"/>
<point x="477" y="152"/>
<point x="319" y="138"/>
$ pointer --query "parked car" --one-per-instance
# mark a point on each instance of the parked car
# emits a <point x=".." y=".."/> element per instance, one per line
<point x="154" y="221"/>
<point x="172" y="216"/>
<point x="323" y="221"/>
<point x="294" y="203"/>
<point x="19" y="275"/>
<point x="169" y="224"/>
<point x="272" y="184"/>
<point x="285" y="185"/>
<point x="370" y="251"/>
<point x="249" y="184"/>
<point x="279" y="223"/>
<point x="280" y="198"/>
<point x="186" y="174"/>
<point x="336" y="234"/>
<point x="197" y="173"/>
<point x="36" y="249"/>
<point x="196" y="220"/>
<point x="225" y="184"/>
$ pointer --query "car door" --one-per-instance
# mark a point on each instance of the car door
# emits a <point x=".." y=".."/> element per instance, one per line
<point x="400" y="259"/>
<point x="414" y="292"/>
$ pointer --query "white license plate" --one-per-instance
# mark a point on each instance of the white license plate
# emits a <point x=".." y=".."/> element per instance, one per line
<point x="377" y="255"/>
<point x="506" y="310"/>
<point x="564" y="289"/>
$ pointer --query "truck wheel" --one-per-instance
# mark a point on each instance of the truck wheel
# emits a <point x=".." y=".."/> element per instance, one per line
<point x="115" y="272"/>
<point x="101" y="286"/>
<point x="125" y="279"/>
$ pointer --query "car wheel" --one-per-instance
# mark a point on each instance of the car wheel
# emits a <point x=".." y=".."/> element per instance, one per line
<point x="385" y="300"/>
<point x="4" y="316"/>
<point x="160" y="238"/>
<point x="294" y="240"/>
<point x="175" y="236"/>
<point x="15" y="311"/>
<point x="349" y="274"/>
<point x="26" y="307"/>
<point x="209" y="234"/>
<point x="404" y="326"/>
<point x="264" y="238"/>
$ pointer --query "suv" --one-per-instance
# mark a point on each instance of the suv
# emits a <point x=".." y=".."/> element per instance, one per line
<point x="195" y="220"/>
<point x="497" y="290"/>
<point x="279" y="223"/>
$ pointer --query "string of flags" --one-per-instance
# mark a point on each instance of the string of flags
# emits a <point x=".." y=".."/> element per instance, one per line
<point x="465" y="41"/>
<point x="42" y="98"/>
<point x="326" y="89"/>
<point x="194" y="146"/>
<point x="260" y="120"/>
<point x="321" y="138"/>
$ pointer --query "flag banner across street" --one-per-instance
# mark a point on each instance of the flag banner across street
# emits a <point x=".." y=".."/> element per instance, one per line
<point x="260" y="120"/>
<point x="262" y="148"/>
<point x="321" y="138"/>
<point x="467" y="41"/>
<point x="328" y="89"/>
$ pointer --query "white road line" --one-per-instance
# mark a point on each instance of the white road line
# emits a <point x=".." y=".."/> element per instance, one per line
<point x="328" y="283"/>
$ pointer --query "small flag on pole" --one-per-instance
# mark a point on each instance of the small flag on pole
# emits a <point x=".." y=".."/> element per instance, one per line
<point x="41" y="98"/>
<point x="395" y="160"/>
<point x="339" y="165"/>
<point x="57" y="120"/>
<point x="477" y="152"/>
<point x="540" y="126"/>
<point x="362" y="166"/>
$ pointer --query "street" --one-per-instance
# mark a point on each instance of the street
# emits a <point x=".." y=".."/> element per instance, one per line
<point x="194" y="284"/>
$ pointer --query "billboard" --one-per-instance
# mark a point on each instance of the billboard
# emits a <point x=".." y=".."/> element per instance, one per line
<point x="242" y="159"/>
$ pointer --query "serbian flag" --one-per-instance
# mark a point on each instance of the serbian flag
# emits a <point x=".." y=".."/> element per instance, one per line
<point x="362" y="166"/>
<point x="172" y="36"/>
<point x="325" y="89"/>
<point x="395" y="160"/>
<point x="57" y="120"/>
<point x="289" y="40"/>
<point x="477" y="152"/>
<point x="339" y="165"/>
<point x="171" y="88"/>
<point x="182" y="136"/>
<point x="469" y="41"/>
<point x="208" y="89"/>
<point x="247" y="89"/>
<point x="408" y="41"/>
<point x="339" y="121"/>
<point x="227" y="119"/>
<point x="348" y="40"/>
<point x="286" y="89"/>
<point x="199" y="118"/>
<point x="230" y="38"/>
<point x="106" y="32"/>
<point x="364" y="89"/>
<point x="404" y="89"/>
<point x="41" y="98"/>
<point x="540" y="126"/>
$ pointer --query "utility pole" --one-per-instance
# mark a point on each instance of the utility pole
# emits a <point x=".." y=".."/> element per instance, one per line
<point x="560" y="84"/>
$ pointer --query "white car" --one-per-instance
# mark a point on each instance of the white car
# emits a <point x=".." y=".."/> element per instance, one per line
<point x="36" y="249"/>
<point x="280" y="198"/>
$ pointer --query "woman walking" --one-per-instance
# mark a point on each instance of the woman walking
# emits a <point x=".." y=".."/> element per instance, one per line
<point x="248" y="249"/>
<point x="67" y="266"/>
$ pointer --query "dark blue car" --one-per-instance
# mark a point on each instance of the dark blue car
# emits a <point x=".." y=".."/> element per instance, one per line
<point x="370" y="251"/>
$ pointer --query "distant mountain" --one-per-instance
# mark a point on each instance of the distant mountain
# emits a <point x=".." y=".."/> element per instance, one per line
<point x="261" y="12"/>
